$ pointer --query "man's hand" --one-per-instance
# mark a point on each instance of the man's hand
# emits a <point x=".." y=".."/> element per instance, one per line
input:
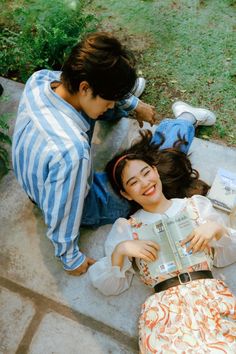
<point x="201" y="236"/>
<point x="83" y="268"/>
<point x="143" y="249"/>
<point x="145" y="112"/>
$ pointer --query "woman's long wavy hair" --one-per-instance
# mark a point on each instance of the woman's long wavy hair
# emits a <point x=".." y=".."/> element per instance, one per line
<point x="179" y="179"/>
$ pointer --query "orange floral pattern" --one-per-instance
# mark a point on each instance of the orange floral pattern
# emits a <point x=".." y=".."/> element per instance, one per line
<point x="198" y="317"/>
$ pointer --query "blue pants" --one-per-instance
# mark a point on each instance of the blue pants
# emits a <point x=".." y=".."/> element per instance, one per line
<point x="102" y="205"/>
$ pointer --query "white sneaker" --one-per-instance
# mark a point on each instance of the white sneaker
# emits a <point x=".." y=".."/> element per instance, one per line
<point x="203" y="116"/>
<point x="139" y="86"/>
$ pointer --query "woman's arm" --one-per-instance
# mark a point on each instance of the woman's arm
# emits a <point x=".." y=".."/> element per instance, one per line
<point x="214" y="232"/>
<point x="113" y="273"/>
<point x="144" y="249"/>
<point x="108" y="278"/>
<point x="203" y="235"/>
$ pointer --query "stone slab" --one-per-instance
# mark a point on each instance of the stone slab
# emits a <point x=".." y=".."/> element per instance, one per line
<point x="207" y="157"/>
<point x="59" y="335"/>
<point x="15" y="316"/>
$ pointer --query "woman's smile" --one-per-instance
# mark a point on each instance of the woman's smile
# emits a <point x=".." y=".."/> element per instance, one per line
<point x="150" y="191"/>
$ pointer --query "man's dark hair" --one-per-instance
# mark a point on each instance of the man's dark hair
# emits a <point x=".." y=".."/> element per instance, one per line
<point x="104" y="63"/>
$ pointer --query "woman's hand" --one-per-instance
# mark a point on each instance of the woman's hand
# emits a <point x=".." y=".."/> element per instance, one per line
<point x="145" y="112"/>
<point x="200" y="238"/>
<point x="144" y="249"/>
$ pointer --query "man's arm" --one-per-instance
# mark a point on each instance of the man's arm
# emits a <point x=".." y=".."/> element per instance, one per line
<point x="143" y="111"/>
<point x="65" y="190"/>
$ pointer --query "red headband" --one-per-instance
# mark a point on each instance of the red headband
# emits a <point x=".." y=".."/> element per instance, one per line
<point x="115" y="167"/>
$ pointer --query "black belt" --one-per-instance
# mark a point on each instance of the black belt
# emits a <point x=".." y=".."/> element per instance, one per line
<point x="183" y="278"/>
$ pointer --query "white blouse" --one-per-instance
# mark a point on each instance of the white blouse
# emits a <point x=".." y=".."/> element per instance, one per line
<point x="111" y="280"/>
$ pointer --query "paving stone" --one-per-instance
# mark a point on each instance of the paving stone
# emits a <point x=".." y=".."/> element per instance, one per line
<point x="59" y="335"/>
<point x="207" y="157"/>
<point x="15" y="316"/>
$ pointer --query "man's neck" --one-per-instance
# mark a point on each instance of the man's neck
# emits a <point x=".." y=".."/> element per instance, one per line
<point x="61" y="91"/>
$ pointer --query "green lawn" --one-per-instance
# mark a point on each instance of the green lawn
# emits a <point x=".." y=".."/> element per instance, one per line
<point x="186" y="49"/>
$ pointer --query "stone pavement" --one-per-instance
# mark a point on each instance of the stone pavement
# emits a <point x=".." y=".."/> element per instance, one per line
<point x="42" y="309"/>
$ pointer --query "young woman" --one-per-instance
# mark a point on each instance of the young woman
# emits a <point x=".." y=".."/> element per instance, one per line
<point x="190" y="312"/>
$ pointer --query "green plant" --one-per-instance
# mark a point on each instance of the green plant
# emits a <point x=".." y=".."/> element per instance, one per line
<point x="38" y="34"/>
<point x="4" y="141"/>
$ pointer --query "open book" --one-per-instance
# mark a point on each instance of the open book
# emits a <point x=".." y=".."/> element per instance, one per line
<point x="223" y="191"/>
<point x="168" y="233"/>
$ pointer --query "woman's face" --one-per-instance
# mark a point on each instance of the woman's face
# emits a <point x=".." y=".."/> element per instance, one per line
<point x="141" y="183"/>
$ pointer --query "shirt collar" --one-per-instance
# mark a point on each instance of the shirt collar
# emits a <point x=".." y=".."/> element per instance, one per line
<point x="64" y="106"/>
<point x="175" y="207"/>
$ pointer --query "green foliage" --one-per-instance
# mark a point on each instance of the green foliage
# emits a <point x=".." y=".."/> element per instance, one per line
<point x="39" y="34"/>
<point x="186" y="50"/>
<point x="4" y="141"/>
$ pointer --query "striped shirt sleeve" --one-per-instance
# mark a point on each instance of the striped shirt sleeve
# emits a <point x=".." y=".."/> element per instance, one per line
<point x="63" y="204"/>
<point x="128" y="104"/>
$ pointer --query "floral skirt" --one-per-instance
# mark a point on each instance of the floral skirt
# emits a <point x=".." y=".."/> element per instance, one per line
<point x="199" y="317"/>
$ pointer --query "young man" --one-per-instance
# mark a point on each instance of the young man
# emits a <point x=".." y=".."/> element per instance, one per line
<point x="51" y="142"/>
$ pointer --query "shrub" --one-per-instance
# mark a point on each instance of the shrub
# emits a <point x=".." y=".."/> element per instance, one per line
<point x="38" y="34"/>
<point x="4" y="141"/>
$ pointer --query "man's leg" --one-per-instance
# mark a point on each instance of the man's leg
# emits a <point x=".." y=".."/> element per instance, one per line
<point x="173" y="130"/>
<point x="183" y="127"/>
<point x="102" y="205"/>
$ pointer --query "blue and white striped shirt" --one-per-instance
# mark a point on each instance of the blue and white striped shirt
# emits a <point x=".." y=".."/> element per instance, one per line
<point x="51" y="160"/>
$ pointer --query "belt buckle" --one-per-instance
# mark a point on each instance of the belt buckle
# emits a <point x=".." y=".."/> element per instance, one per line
<point x="184" y="280"/>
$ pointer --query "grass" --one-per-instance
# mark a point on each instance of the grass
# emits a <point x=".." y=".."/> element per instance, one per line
<point x="186" y="49"/>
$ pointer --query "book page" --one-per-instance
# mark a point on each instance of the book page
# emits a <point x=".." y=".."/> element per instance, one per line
<point x="169" y="233"/>
<point x="178" y="228"/>
<point x="165" y="262"/>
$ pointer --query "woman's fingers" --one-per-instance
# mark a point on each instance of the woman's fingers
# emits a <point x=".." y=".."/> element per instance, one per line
<point x="148" y="256"/>
<point x="187" y="239"/>
<point x="154" y="245"/>
<point x="197" y="243"/>
<point x="197" y="246"/>
<point x="150" y="251"/>
<point x="194" y="242"/>
<point x="191" y="242"/>
<point x="204" y="246"/>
